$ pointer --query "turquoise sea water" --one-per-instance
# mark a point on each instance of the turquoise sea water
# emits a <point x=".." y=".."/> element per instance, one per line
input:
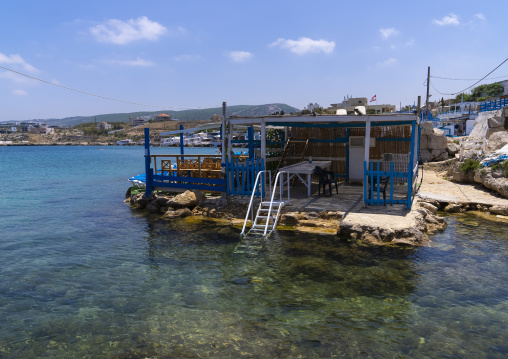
<point x="84" y="276"/>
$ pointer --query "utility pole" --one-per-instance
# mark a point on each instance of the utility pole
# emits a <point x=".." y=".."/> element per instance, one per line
<point x="427" y="100"/>
<point x="223" y="145"/>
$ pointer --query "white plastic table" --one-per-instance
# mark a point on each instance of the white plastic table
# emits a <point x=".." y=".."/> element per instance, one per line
<point x="302" y="169"/>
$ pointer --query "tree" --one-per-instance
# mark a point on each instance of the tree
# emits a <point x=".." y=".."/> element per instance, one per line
<point x="442" y="104"/>
<point x="482" y="92"/>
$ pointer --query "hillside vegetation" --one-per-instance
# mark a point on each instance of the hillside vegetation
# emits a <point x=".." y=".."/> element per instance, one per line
<point x="185" y="115"/>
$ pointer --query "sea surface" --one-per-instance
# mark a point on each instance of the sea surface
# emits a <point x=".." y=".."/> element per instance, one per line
<point x="82" y="275"/>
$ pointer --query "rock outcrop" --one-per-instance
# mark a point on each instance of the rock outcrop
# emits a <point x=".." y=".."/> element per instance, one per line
<point x="497" y="141"/>
<point x="188" y="199"/>
<point x="413" y="228"/>
<point x="493" y="179"/>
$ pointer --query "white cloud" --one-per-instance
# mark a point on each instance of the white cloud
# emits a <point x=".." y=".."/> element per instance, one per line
<point x="16" y="60"/>
<point x="239" y="56"/>
<point x="123" y="32"/>
<point x="20" y="92"/>
<point x="451" y="19"/>
<point x="387" y="33"/>
<point x="410" y="42"/>
<point x="388" y="62"/>
<point x="305" y="45"/>
<point x="480" y="16"/>
<point x="137" y="62"/>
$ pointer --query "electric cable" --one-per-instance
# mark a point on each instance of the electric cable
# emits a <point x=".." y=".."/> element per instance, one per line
<point x="100" y="96"/>
<point x="447" y="78"/>
<point x="467" y="88"/>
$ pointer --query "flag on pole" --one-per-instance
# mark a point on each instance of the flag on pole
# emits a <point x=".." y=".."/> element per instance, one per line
<point x="373" y="98"/>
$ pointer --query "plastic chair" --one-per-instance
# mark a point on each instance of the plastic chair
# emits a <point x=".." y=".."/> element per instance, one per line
<point x="325" y="178"/>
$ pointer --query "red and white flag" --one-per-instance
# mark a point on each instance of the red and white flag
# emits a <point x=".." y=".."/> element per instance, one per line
<point x="373" y="98"/>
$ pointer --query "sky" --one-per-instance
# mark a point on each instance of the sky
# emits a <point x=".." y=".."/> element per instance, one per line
<point x="164" y="54"/>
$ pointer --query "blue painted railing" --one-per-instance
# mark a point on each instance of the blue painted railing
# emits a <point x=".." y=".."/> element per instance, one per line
<point x="374" y="179"/>
<point x="187" y="183"/>
<point x="241" y="176"/>
<point x="493" y="105"/>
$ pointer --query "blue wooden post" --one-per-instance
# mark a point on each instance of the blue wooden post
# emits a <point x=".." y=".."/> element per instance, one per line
<point x="181" y="141"/>
<point x="410" y="165"/>
<point x="250" y="134"/>
<point x="148" y="170"/>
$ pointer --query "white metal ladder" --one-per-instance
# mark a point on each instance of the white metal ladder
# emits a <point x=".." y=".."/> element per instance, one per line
<point x="267" y="215"/>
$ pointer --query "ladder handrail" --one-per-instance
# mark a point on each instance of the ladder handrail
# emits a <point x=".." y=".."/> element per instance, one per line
<point x="271" y="203"/>
<point x="252" y="198"/>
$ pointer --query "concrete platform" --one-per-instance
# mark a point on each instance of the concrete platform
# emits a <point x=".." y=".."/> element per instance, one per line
<point x="348" y="199"/>
<point x="435" y="187"/>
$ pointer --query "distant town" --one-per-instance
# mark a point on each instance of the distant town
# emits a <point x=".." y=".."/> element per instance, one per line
<point x="448" y="112"/>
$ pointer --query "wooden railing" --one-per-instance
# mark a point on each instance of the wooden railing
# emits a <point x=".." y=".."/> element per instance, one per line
<point x="177" y="172"/>
<point x="200" y="166"/>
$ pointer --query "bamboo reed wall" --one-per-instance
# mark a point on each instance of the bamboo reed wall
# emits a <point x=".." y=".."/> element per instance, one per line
<point x="338" y="150"/>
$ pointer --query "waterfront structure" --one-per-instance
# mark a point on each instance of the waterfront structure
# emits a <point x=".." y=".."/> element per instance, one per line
<point x="103" y="126"/>
<point x="380" y="152"/>
<point x="162" y="117"/>
<point x="350" y="103"/>
<point x="26" y="127"/>
<point x="138" y="121"/>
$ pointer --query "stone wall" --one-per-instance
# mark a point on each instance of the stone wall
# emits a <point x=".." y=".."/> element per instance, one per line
<point x="433" y="144"/>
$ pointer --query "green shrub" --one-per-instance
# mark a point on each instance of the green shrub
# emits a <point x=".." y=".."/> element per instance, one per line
<point x="504" y="165"/>
<point x="469" y="165"/>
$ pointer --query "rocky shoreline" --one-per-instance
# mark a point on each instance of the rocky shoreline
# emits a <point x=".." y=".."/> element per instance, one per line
<point x="372" y="224"/>
<point x="412" y="227"/>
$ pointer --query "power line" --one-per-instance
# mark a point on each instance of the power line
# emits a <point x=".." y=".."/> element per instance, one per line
<point x="100" y="96"/>
<point x="467" y="88"/>
<point x="447" y="78"/>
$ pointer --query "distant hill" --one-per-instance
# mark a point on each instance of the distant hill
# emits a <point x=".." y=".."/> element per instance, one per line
<point x="185" y="115"/>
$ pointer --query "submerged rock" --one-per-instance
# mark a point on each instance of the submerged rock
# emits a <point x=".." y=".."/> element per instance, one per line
<point x="182" y="212"/>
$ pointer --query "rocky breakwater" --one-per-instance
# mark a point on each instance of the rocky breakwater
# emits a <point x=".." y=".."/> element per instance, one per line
<point x="188" y="203"/>
<point x="447" y="195"/>
<point x="494" y="178"/>
<point x="409" y="227"/>
<point x="377" y="225"/>
<point x="479" y="167"/>
<point x="233" y="211"/>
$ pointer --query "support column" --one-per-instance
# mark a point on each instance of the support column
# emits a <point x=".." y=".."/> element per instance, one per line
<point x="230" y="143"/>
<point x="148" y="170"/>
<point x="367" y="155"/>
<point x="250" y="133"/>
<point x="181" y="141"/>
<point x="263" y="140"/>
<point x="223" y="135"/>
<point x="223" y="149"/>
<point x="263" y="153"/>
